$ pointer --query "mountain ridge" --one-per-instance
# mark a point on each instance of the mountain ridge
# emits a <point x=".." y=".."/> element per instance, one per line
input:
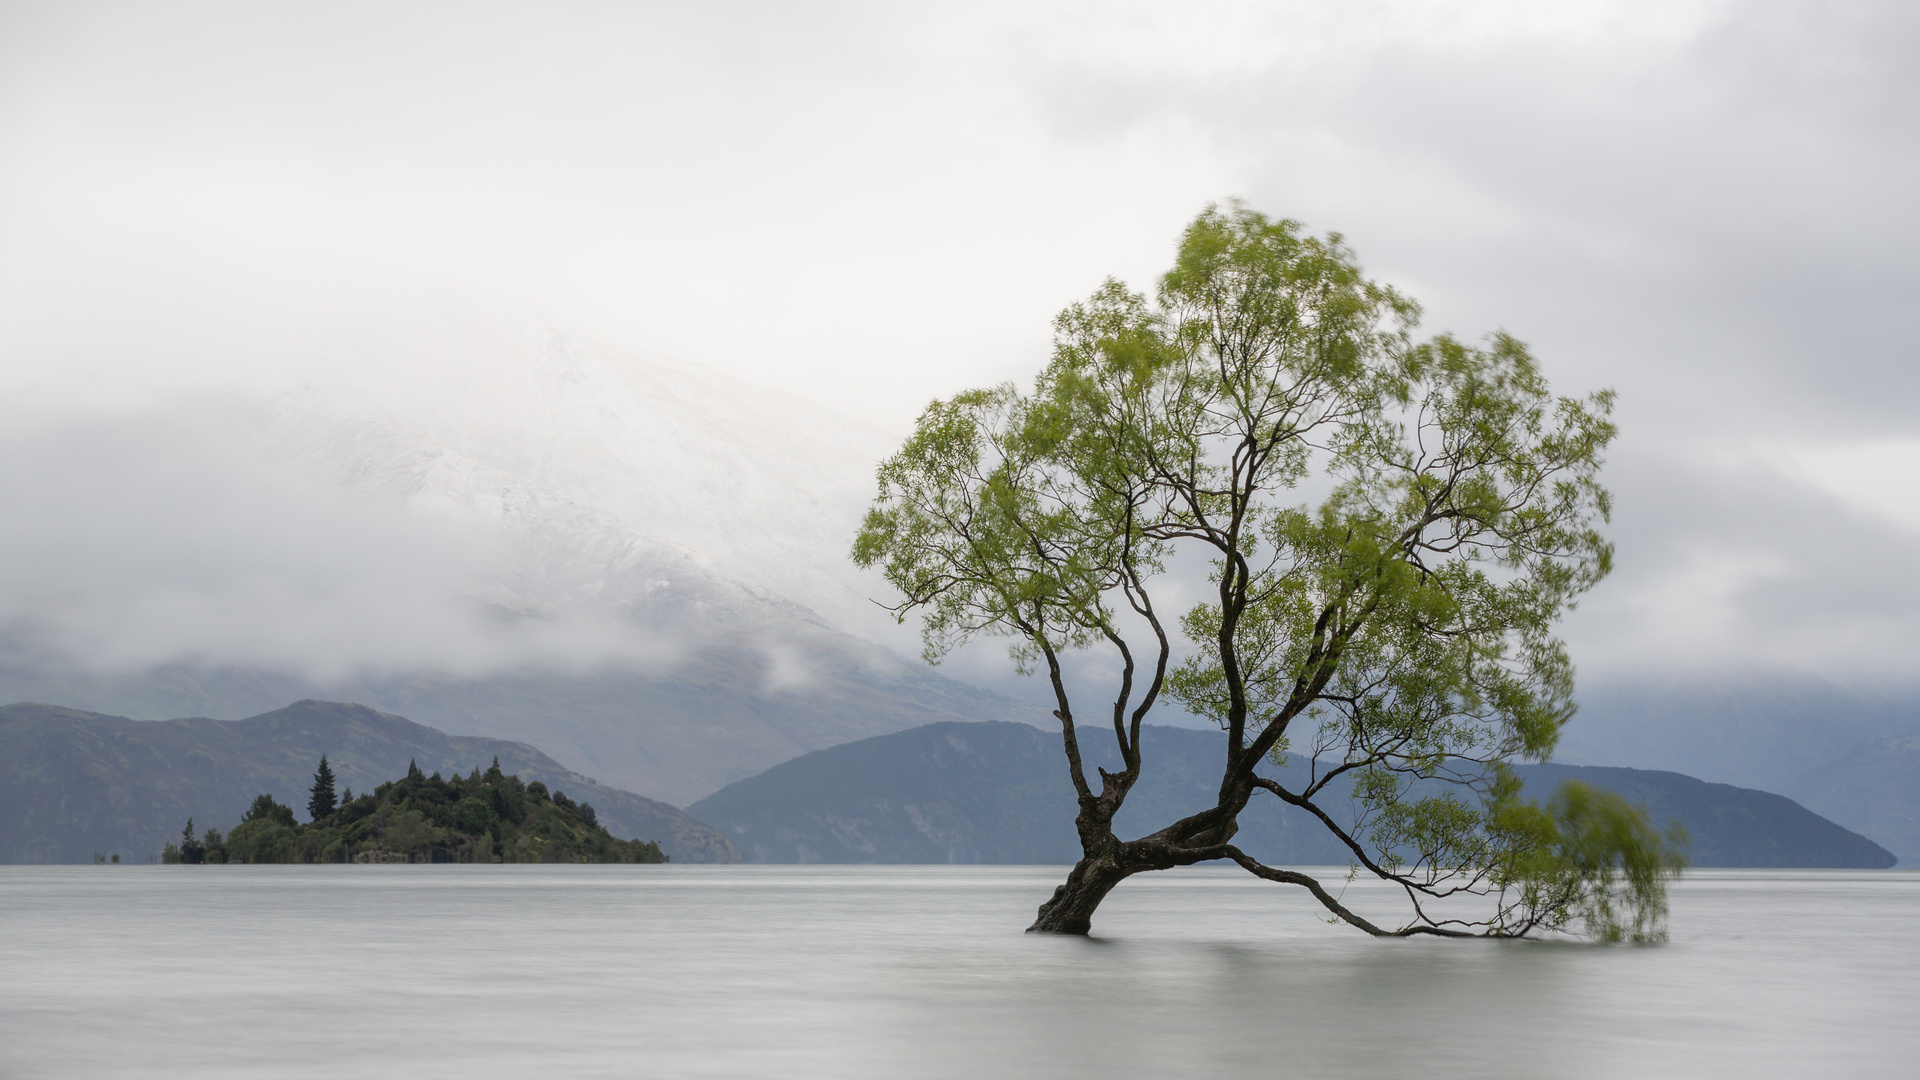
<point x="996" y="792"/>
<point x="75" y="782"/>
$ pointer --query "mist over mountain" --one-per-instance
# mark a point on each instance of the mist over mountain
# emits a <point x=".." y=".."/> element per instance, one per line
<point x="1876" y="781"/>
<point x="497" y="528"/>
<point x="613" y="479"/>
<point x="504" y="531"/>
<point x="1753" y="728"/>
<point x="1843" y="752"/>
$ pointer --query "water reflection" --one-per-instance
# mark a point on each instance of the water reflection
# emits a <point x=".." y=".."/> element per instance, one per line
<point x="912" y="972"/>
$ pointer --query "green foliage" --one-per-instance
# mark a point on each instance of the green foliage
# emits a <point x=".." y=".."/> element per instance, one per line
<point x="1394" y="529"/>
<point x="490" y="817"/>
<point x="1591" y="856"/>
<point x="264" y="808"/>
<point x="322" y="802"/>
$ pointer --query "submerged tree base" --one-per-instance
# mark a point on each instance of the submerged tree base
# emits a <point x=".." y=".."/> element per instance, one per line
<point x="1070" y="909"/>
<point x="1601" y="866"/>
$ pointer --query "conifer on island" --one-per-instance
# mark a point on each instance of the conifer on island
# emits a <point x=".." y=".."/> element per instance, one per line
<point x="321" y="803"/>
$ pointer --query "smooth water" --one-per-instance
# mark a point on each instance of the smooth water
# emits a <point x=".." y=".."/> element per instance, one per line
<point x="690" y="971"/>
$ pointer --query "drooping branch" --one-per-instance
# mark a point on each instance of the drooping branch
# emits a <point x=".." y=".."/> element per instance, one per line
<point x="1327" y="899"/>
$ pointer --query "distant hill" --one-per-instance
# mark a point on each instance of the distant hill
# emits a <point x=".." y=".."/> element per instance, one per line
<point x="679" y="730"/>
<point x="73" y="783"/>
<point x="1877" y="781"/>
<point x="1845" y="754"/>
<point x="1729" y="825"/>
<point x="998" y="793"/>
<point x="1753" y="728"/>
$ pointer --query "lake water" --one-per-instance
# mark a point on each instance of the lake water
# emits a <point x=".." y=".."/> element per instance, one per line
<point x="746" y="971"/>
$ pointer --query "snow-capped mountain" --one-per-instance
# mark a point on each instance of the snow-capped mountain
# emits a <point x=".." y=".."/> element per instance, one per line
<point x="599" y="467"/>
<point x="651" y="561"/>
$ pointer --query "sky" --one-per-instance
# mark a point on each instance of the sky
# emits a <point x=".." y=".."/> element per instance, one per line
<point x="1706" y="206"/>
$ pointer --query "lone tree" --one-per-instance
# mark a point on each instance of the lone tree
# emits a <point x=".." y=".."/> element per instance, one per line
<point x="321" y="802"/>
<point x="1393" y="528"/>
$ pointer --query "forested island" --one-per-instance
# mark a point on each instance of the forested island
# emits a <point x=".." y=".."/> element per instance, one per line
<point x="73" y="783"/>
<point x="485" y="817"/>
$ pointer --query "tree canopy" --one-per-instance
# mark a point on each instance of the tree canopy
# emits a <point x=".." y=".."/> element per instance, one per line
<point x="1393" y="528"/>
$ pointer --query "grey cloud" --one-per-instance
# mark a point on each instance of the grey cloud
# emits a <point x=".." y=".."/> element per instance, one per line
<point x="1706" y="206"/>
<point x="1723" y="202"/>
<point x="139" y="540"/>
<point x="1729" y="565"/>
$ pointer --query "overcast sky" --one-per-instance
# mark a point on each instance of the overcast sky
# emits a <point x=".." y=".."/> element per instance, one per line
<point x="1707" y="206"/>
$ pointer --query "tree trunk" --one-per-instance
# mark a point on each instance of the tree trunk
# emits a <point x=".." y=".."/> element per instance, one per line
<point x="1110" y="862"/>
<point x="1070" y="911"/>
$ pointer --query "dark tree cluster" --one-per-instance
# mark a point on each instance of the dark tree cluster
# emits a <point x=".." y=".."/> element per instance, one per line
<point x="192" y="849"/>
<point x="478" y="818"/>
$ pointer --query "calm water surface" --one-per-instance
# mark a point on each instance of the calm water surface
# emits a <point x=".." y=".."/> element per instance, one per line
<point x="688" y="971"/>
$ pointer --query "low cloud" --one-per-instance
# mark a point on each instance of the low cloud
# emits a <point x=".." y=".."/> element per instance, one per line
<point x="1730" y="560"/>
<point x="137" y="540"/>
<point x="1704" y="205"/>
